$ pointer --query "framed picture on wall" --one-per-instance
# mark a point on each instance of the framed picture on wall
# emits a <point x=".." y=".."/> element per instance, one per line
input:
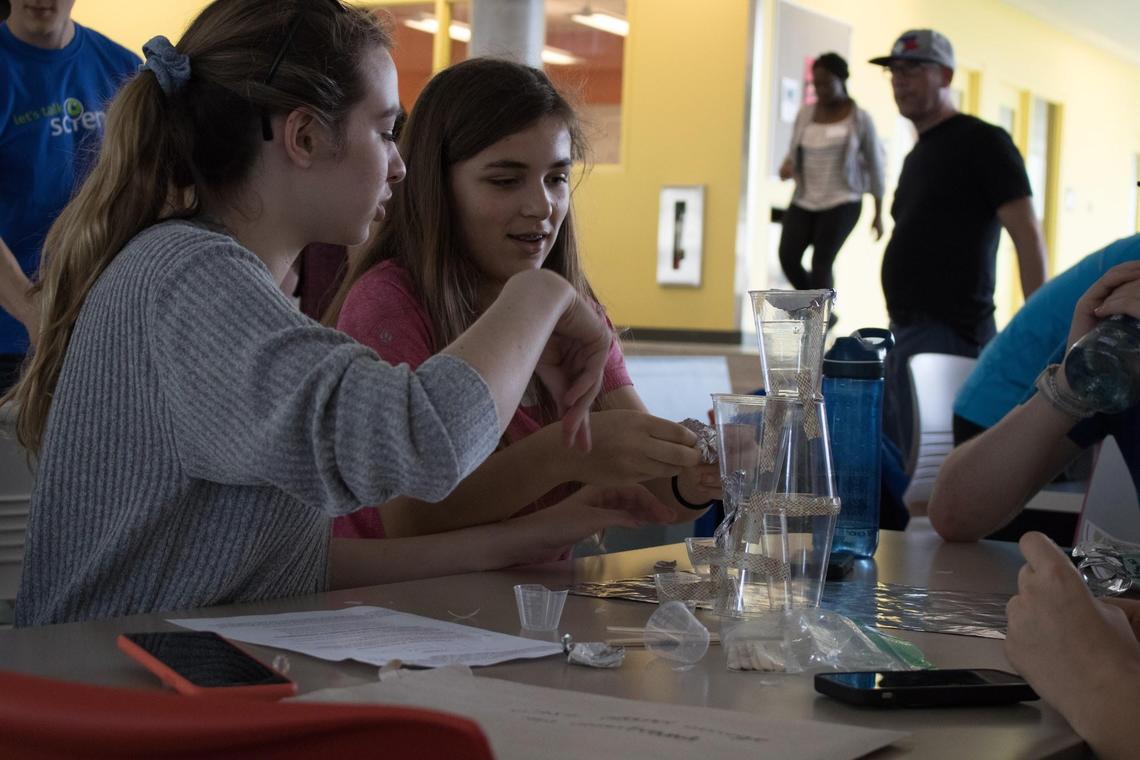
<point x="680" y="235"/>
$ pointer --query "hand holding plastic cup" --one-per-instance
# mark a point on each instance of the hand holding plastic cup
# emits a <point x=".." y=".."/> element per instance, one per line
<point x="674" y="633"/>
<point x="540" y="609"/>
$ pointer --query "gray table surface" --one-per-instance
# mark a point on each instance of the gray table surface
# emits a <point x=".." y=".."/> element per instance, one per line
<point x="87" y="652"/>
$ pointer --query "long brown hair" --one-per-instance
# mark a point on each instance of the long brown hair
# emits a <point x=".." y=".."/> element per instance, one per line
<point x="162" y="153"/>
<point x="462" y="111"/>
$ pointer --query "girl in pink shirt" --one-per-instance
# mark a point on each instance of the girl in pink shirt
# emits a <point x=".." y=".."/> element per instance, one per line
<point x="489" y="147"/>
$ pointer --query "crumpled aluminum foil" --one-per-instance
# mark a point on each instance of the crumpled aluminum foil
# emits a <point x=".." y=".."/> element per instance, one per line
<point x="592" y="654"/>
<point x="706" y="440"/>
<point x="1108" y="570"/>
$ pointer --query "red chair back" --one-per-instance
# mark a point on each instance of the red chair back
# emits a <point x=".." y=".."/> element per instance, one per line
<point x="44" y="718"/>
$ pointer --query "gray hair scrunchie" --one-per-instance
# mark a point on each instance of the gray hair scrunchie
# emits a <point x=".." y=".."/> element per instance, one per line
<point x="171" y="68"/>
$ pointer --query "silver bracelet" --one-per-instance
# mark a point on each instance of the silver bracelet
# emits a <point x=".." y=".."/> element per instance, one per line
<point x="1064" y="402"/>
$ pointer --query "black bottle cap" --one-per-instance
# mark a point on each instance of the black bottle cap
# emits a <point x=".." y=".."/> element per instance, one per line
<point x="860" y="356"/>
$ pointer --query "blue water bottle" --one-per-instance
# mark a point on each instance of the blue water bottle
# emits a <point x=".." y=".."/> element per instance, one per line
<point x="853" y="395"/>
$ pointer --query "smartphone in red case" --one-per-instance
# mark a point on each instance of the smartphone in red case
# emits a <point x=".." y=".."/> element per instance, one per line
<point x="200" y="663"/>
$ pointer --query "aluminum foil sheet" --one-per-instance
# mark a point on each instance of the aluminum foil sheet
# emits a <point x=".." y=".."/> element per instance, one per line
<point x="884" y="605"/>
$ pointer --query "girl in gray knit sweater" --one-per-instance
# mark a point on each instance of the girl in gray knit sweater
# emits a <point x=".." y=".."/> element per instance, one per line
<point x="193" y="431"/>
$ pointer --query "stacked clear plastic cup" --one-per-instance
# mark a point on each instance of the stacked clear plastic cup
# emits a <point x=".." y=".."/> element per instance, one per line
<point x="752" y="569"/>
<point x="791" y="326"/>
<point x="800" y="489"/>
<point x="795" y="480"/>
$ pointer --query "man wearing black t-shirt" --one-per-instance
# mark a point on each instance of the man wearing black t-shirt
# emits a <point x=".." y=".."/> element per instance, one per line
<point x="963" y="181"/>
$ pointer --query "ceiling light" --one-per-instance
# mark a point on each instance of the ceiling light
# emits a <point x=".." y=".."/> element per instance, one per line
<point x="605" y="22"/>
<point x="461" y="32"/>
<point x="558" y="57"/>
<point x="458" y="30"/>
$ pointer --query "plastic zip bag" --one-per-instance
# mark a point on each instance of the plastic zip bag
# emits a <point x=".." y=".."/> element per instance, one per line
<point x="813" y="639"/>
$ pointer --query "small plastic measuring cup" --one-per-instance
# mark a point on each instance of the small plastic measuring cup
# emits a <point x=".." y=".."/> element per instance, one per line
<point x="540" y="609"/>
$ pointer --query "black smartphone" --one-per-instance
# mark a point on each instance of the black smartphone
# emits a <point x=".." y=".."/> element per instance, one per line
<point x="926" y="688"/>
<point x="200" y="663"/>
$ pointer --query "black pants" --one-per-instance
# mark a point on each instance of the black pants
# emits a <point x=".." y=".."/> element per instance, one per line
<point x="825" y="231"/>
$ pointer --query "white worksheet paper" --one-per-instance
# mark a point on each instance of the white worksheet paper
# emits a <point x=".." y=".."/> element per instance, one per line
<point x="375" y="635"/>
<point x="523" y="722"/>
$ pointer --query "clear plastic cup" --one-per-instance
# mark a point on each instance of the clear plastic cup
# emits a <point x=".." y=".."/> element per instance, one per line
<point x="801" y="494"/>
<point x="703" y="553"/>
<point x="791" y="326"/>
<point x="674" y="633"/>
<point x="754" y="545"/>
<point x="540" y="609"/>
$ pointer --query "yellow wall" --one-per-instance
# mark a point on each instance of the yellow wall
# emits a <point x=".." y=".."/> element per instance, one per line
<point x="133" y="22"/>
<point x="683" y="124"/>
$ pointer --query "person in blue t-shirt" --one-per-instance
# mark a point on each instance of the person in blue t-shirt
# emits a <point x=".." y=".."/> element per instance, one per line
<point x="1005" y="372"/>
<point x="985" y="482"/>
<point x="57" y="79"/>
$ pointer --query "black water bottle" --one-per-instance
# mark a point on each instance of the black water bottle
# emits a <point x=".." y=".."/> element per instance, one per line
<point x="1103" y="367"/>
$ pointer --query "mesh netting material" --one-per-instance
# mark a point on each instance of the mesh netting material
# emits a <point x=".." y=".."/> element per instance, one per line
<point x="805" y="387"/>
<point x="699" y="591"/>
<point x="769" y="567"/>
<point x="794" y="504"/>
<point x="705" y="555"/>
<point x="770" y="438"/>
<point x="718" y="559"/>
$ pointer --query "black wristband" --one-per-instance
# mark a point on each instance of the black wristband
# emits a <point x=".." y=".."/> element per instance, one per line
<point x="681" y="499"/>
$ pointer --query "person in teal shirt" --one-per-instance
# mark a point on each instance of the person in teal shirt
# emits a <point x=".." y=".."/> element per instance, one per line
<point x="57" y="79"/>
<point x="1006" y="369"/>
